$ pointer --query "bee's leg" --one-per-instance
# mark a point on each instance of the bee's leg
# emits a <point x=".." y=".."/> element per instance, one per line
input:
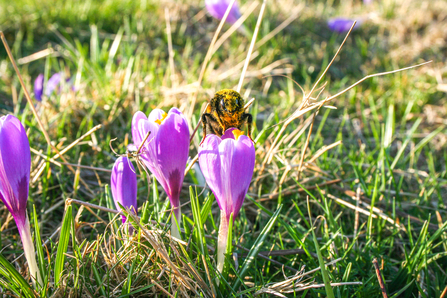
<point x="205" y="124"/>
<point x="249" y="118"/>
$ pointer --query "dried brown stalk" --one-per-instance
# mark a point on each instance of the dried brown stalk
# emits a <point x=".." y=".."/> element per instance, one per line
<point x="379" y="277"/>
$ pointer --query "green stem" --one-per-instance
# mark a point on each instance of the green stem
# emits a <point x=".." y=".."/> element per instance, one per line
<point x="176" y="220"/>
<point x="222" y="241"/>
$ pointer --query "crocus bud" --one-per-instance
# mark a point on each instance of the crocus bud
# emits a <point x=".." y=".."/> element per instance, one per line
<point x="165" y="152"/>
<point x="342" y="25"/>
<point x="123" y="185"/>
<point x="15" y="166"/>
<point x="217" y="9"/>
<point x="227" y="164"/>
<point x="53" y="84"/>
<point x="38" y="87"/>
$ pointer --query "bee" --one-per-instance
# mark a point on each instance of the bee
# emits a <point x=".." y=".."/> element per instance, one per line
<point x="225" y="110"/>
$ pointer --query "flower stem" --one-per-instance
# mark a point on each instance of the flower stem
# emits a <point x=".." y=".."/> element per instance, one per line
<point x="176" y="218"/>
<point x="28" y="247"/>
<point x="222" y="241"/>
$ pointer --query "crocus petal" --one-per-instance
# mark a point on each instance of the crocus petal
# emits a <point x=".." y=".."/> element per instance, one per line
<point x="156" y="114"/>
<point x="228" y="134"/>
<point x="52" y="84"/>
<point x="342" y="25"/>
<point x="172" y="145"/>
<point x="140" y="127"/>
<point x="38" y="87"/>
<point x="226" y="150"/>
<point x="217" y="9"/>
<point x="243" y="164"/>
<point x="15" y="166"/>
<point x="124" y="185"/>
<point x="209" y="160"/>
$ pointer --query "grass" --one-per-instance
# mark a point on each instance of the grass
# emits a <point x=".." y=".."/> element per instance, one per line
<point x="380" y="193"/>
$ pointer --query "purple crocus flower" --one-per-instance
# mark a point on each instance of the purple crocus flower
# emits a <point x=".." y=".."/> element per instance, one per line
<point x="53" y="84"/>
<point x="342" y="25"/>
<point x="227" y="164"/>
<point x="15" y="166"/>
<point x="165" y="152"/>
<point x="124" y="185"/>
<point x="217" y="9"/>
<point x="38" y="87"/>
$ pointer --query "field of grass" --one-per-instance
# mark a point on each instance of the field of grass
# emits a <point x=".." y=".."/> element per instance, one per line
<point x="362" y="177"/>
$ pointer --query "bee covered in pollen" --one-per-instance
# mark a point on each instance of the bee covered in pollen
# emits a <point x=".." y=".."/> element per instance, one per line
<point x="225" y="110"/>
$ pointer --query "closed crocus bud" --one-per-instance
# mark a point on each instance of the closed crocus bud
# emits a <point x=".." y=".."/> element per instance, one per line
<point x="38" y="87"/>
<point x="227" y="164"/>
<point x="15" y="166"/>
<point x="217" y="9"/>
<point x="123" y="185"/>
<point x="53" y="84"/>
<point x="342" y="25"/>
<point x="165" y="152"/>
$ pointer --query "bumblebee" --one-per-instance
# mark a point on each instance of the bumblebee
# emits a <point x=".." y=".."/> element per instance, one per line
<point x="225" y="110"/>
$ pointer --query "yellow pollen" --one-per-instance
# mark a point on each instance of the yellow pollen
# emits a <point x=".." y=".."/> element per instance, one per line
<point x="237" y="133"/>
<point x="159" y="121"/>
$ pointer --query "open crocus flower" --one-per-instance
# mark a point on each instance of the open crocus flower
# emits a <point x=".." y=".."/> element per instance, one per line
<point x="124" y="185"/>
<point x="227" y="164"/>
<point x="217" y="9"/>
<point x="15" y="166"/>
<point x="165" y="152"/>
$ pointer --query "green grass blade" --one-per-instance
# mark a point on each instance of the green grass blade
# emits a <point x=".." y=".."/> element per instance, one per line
<point x="406" y="142"/>
<point x="327" y="282"/>
<point x="137" y="291"/>
<point x="39" y="249"/>
<point x="397" y="294"/>
<point x="198" y="225"/>
<point x="14" y="279"/>
<point x="206" y="208"/>
<point x="63" y="244"/>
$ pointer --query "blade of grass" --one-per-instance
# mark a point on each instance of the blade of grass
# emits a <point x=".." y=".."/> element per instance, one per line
<point x="63" y="244"/>
<point x="198" y="225"/>
<point x="14" y="279"/>
<point x="327" y="282"/>
<point x="39" y="249"/>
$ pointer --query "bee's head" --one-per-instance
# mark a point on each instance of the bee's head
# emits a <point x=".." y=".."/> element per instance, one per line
<point x="229" y="102"/>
